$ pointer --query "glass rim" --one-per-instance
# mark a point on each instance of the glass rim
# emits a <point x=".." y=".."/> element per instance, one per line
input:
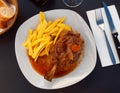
<point x="72" y="6"/>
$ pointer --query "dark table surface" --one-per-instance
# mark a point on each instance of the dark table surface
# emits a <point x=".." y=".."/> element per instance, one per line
<point x="101" y="80"/>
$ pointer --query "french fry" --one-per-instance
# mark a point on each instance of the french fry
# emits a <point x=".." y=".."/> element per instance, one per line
<point x="49" y="23"/>
<point x="54" y="24"/>
<point x="29" y="35"/>
<point x="38" y="50"/>
<point x="29" y="48"/>
<point x="62" y="19"/>
<point x="42" y="28"/>
<point x="46" y="52"/>
<point x="60" y="30"/>
<point x="66" y="27"/>
<point x="42" y="16"/>
<point x="54" y="30"/>
<point x="39" y="40"/>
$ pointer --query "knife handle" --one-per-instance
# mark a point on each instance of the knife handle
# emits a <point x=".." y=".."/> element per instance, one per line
<point x="117" y="43"/>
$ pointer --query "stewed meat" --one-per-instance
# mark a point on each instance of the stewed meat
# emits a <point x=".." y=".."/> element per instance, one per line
<point x="65" y="51"/>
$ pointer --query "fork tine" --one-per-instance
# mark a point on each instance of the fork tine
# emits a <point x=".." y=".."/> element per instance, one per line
<point x="99" y="16"/>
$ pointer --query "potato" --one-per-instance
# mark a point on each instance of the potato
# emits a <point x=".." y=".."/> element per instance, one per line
<point x="44" y="35"/>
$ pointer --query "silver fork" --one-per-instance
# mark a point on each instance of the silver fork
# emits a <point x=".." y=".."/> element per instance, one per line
<point x="101" y="25"/>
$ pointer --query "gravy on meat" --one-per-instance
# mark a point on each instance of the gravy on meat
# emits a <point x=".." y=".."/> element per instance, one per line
<point x="63" y="58"/>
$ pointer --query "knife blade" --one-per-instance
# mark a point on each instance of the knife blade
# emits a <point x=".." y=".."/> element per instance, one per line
<point x="112" y="28"/>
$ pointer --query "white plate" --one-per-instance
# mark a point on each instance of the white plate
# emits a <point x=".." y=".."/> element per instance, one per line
<point x="83" y="70"/>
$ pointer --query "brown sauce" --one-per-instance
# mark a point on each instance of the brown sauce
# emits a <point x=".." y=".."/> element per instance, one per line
<point x="63" y="55"/>
<point x="42" y="66"/>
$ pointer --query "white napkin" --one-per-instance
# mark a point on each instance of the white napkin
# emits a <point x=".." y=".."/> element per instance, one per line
<point x="100" y="37"/>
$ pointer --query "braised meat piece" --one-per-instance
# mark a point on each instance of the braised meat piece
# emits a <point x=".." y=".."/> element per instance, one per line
<point x="65" y="51"/>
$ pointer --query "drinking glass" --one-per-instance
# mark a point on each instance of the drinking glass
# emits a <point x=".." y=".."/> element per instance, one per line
<point x="72" y="3"/>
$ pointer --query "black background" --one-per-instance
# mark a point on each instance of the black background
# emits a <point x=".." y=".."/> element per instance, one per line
<point x="101" y="80"/>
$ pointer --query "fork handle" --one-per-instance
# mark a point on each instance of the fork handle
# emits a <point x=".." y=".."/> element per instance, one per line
<point x="110" y="49"/>
<point x="117" y="43"/>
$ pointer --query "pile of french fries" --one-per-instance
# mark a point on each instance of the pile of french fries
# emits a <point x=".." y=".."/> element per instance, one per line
<point x="44" y="35"/>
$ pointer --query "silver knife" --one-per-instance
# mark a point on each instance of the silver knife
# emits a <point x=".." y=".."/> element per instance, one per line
<point x="112" y="28"/>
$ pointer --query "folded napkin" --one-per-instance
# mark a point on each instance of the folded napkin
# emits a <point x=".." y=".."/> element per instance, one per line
<point x="100" y="37"/>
